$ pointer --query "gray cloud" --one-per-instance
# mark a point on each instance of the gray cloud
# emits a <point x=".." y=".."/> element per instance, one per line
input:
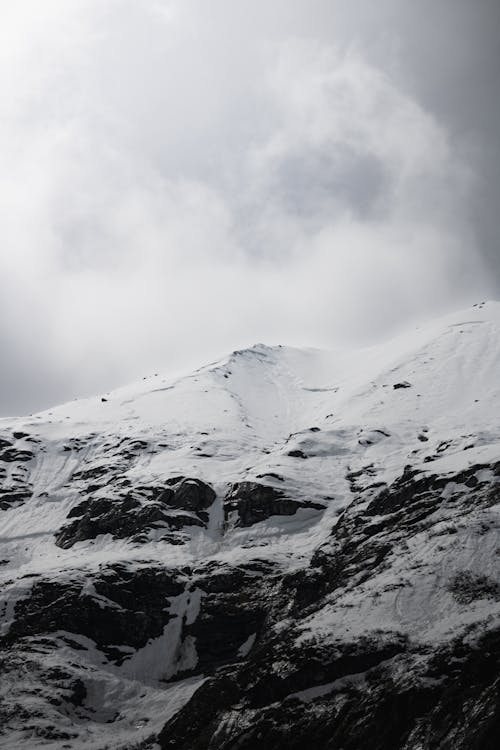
<point x="184" y="178"/>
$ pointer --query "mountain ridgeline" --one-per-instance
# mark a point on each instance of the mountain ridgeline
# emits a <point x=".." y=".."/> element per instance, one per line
<point x="286" y="549"/>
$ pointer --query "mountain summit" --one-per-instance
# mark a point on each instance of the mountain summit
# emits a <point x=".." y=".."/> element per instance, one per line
<point x="285" y="549"/>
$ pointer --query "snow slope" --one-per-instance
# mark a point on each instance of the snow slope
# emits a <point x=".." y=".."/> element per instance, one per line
<point x="323" y="430"/>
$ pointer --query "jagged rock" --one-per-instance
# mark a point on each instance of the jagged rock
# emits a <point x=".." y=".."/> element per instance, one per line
<point x="125" y="606"/>
<point x="251" y="502"/>
<point x="140" y="511"/>
<point x="263" y="686"/>
<point x="296" y="453"/>
<point x="467" y="587"/>
<point x="188" y="494"/>
<point x="373" y="624"/>
<point x="234" y="604"/>
<point x="122" y="519"/>
<point x="12" y="454"/>
<point x="13" y="497"/>
<point x="382" y="709"/>
<point x="292" y="692"/>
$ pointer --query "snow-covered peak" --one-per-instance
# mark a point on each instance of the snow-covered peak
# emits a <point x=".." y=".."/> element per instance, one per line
<point x="450" y="364"/>
<point x="343" y="499"/>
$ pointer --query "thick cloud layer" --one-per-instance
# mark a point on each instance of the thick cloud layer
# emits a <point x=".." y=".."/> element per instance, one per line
<point x="184" y="178"/>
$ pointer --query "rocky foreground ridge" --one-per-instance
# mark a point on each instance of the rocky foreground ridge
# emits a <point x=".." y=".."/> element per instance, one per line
<point x="286" y="549"/>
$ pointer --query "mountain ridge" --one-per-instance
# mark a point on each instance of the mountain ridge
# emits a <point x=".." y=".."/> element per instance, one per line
<point x="202" y="555"/>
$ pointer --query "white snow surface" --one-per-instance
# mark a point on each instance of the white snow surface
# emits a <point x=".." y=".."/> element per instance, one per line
<point x="238" y="419"/>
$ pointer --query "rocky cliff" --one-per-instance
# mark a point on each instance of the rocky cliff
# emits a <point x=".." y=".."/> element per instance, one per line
<point x="286" y="549"/>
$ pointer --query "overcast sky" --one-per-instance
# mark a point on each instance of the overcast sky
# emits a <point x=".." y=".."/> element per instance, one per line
<point x="181" y="178"/>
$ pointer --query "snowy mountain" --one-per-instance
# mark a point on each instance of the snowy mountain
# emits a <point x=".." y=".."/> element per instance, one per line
<point x="288" y="548"/>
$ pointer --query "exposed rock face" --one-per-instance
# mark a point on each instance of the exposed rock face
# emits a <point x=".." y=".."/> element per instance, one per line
<point x="56" y="697"/>
<point x="139" y="512"/>
<point x="189" y="494"/>
<point x="173" y="573"/>
<point x="251" y="502"/>
<point x="14" y="496"/>
<point x="15" y="487"/>
<point x="380" y="689"/>
<point x="117" y="607"/>
<point x="234" y="604"/>
<point x="451" y="701"/>
<point x="297" y="453"/>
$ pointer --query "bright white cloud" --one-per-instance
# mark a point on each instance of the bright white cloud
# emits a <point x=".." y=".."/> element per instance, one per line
<point x="173" y="189"/>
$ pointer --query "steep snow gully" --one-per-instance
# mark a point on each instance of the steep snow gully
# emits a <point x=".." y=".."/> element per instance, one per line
<point x="289" y="548"/>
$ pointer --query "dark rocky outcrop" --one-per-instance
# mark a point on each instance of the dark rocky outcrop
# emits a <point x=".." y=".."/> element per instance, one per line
<point x="10" y="455"/>
<point x="12" y="497"/>
<point x="234" y="604"/>
<point x="451" y="701"/>
<point x="296" y="453"/>
<point x="188" y="494"/>
<point x="295" y="651"/>
<point x="467" y="587"/>
<point x="262" y="695"/>
<point x="251" y="502"/>
<point x="380" y="690"/>
<point x="119" y="606"/>
<point x="370" y="531"/>
<point x="140" y="511"/>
